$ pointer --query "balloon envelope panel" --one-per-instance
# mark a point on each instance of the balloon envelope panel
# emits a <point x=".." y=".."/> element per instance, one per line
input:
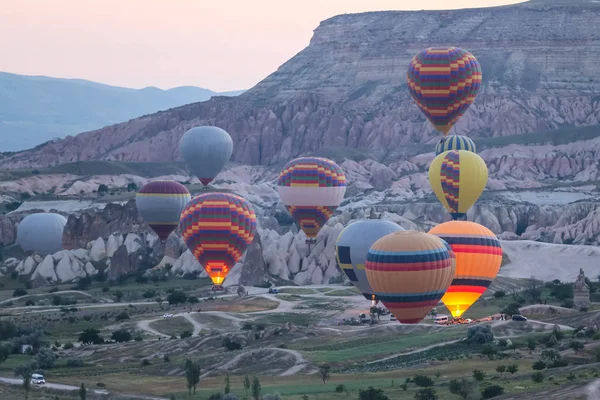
<point x="160" y="204"/>
<point x="218" y="228"/>
<point x="409" y="272"/>
<point x="206" y="150"/>
<point x="455" y="142"/>
<point x="458" y="177"/>
<point x="353" y="245"/>
<point x="478" y="259"/>
<point x="444" y="82"/>
<point x="41" y="233"/>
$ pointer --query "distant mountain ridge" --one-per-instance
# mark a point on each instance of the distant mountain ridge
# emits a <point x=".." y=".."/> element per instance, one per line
<point x="35" y="109"/>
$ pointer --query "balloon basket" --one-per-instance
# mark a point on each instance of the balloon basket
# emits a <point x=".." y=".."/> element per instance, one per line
<point x="217" y="288"/>
<point x="311" y="241"/>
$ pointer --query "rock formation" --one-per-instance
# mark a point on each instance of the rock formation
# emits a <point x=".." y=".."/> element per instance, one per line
<point x="581" y="292"/>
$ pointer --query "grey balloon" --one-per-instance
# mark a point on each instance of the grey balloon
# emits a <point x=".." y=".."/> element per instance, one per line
<point x="353" y="245"/>
<point x="206" y="150"/>
<point x="41" y="233"/>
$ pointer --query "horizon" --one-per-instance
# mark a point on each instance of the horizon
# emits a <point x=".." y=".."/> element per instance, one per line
<point x="68" y="39"/>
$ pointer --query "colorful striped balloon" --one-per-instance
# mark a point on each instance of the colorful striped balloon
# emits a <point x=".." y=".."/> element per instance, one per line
<point x="478" y="259"/>
<point x="454" y="142"/>
<point x="218" y="228"/>
<point x="409" y="272"/>
<point x="160" y="204"/>
<point x="352" y="247"/>
<point x="458" y="177"/>
<point x="444" y="82"/>
<point x="311" y="188"/>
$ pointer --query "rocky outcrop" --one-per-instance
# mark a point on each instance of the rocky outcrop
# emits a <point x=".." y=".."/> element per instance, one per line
<point x="347" y="89"/>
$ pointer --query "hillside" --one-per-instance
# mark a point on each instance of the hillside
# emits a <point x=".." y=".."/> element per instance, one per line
<point x="35" y="109"/>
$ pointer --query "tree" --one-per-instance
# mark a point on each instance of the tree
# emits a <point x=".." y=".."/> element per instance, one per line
<point x="132" y="187"/>
<point x="102" y="189"/>
<point x="531" y="343"/>
<point x="227" y="384"/>
<point x="19" y="292"/>
<point x="91" y="336"/>
<point x="426" y="394"/>
<point x="512" y="368"/>
<point x="537" y="377"/>
<point x="4" y="353"/>
<point x="256" y="388"/>
<point x="511" y="309"/>
<point x="122" y="316"/>
<point x="45" y="358"/>
<point x="479" y="375"/>
<point x="501" y="369"/>
<point x="246" y="384"/>
<point x="82" y="392"/>
<point x="192" y="374"/>
<point x="122" y="335"/>
<point x="185" y="334"/>
<point x="492" y="391"/>
<point x="324" y="372"/>
<point x="534" y="289"/>
<point x="489" y="351"/>
<point x="25" y="371"/>
<point x="423" y="381"/>
<point x="499" y="294"/>
<point x="461" y="387"/>
<point x="576" y="345"/>
<point x="538" y="365"/>
<point x="176" y="297"/>
<point x="372" y="394"/>
<point x="119" y="295"/>
<point x="480" y="334"/>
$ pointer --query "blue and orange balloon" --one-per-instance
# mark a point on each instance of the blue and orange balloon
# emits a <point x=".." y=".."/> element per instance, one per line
<point x="218" y="228"/>
<point x="444" y="82"/>
<point x="409" y="272"/>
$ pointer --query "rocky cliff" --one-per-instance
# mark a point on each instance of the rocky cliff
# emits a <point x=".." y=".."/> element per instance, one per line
<point x="540" y="66"/>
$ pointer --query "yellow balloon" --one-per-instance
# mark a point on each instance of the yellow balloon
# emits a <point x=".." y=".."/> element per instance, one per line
<point x="458" y="178"/>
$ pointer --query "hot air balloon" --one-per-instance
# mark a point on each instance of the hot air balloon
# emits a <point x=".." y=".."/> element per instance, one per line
<point x="478" y="259"/>
<point x="206" y="150"/>
<point x="458" y="178"/>
<point x="444" y="83"/>
<point x="409" y="272"/>
<point x="352" y="247"/>
<point x="217" y="228"/>
<point x="41" y="233"/>
<point x="454" y="142"/>
<point x="160" y="204"/>
<point x="311" y="188"/>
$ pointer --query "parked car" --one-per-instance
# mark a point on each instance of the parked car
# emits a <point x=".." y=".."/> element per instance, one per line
<point x="273" y="291"/>
<point x="167" y="316"/>
<point x="38" y="379"/>
<point x="393" y="318"/>
<point x="518" y="317"/>
<point x="441" y="319"/>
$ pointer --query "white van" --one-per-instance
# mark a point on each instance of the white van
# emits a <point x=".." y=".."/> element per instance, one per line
<point x="441" y="319"/>
<point x="38" y="379"/>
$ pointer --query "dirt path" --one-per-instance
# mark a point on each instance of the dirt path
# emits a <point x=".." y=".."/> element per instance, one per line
<point x="43" y="294"/>
<point x="301" y="363"/>
<point x="593" y="390"/>
<point x="145" y="326"/>
<point x="58" y="386"/>
<point x="197" y="325"/>
<point x="416" y="351"/>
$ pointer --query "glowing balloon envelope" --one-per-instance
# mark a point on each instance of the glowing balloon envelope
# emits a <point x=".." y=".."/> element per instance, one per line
<point x="41" y="233"/>
<point x="160" y="204"/>
<point x="458" y="177"/>
<point x="206" y="150"/>
<point x="218" y="228"/>
<point x="478" y="259"/>
<point x="455" y="142"/>
<point x="444" y="82"/>
<point x="353" y="245"/>
<point x="311" y="188"/>
<point x="409" y="272"/>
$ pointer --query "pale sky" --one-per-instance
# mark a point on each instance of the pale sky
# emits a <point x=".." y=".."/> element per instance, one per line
<point x="216" y="44"/>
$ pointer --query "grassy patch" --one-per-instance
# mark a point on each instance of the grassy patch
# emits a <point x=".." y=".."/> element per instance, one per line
<point x="297" y="291"/>
<point x="324" y="290"/>
<point x="13" y="361"/>
<point x="342" y="292"/>
<point x="172" y="326"/>
<point x="282" y="318"/>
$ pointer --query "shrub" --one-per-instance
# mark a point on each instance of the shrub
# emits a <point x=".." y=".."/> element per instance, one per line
<point x="501" y="369"/>
<point x="340" y="388"/>
<point x="492" y="391"/>
<point x="45" y="358"/>
<point x="247" y="326"/>
<point x="512" y="368"/>
<point x="404" y="386"/>
<point x="576" y="345"/>
<point x="372" y="394"/>
<point x="145" y="362"/>
<point x="538" y="365"/>
<point x="138" y="338"/>
<point x="122" y="316"/>
<point x="68" y="346"/>
<point x="499" y="294"/>
<point x="571" y="376"/>
<point x="423" y="381"/>
<point x="122" y="335"/>
<point x="502" y="342"/>
<point x="426" y="394"/>
<point x="478" y="375"/>
<point x="185" y="334"/>
<point x="231" y="345"/>
<point x="166" y="358"/>
<point x="176" y="297"/>
<point x="74" y="362"/>
<point x="100" y="384"/>
<point x="30" y="303"/>
<point x="149" y="293"/>
<point x="20" y="292"/>
<point x="105" y="289"/>
<point x="531" y="343"/>
<point x="537" y="377"/>
<point x="193" y="300"/>
<point x="480" y="334"/>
